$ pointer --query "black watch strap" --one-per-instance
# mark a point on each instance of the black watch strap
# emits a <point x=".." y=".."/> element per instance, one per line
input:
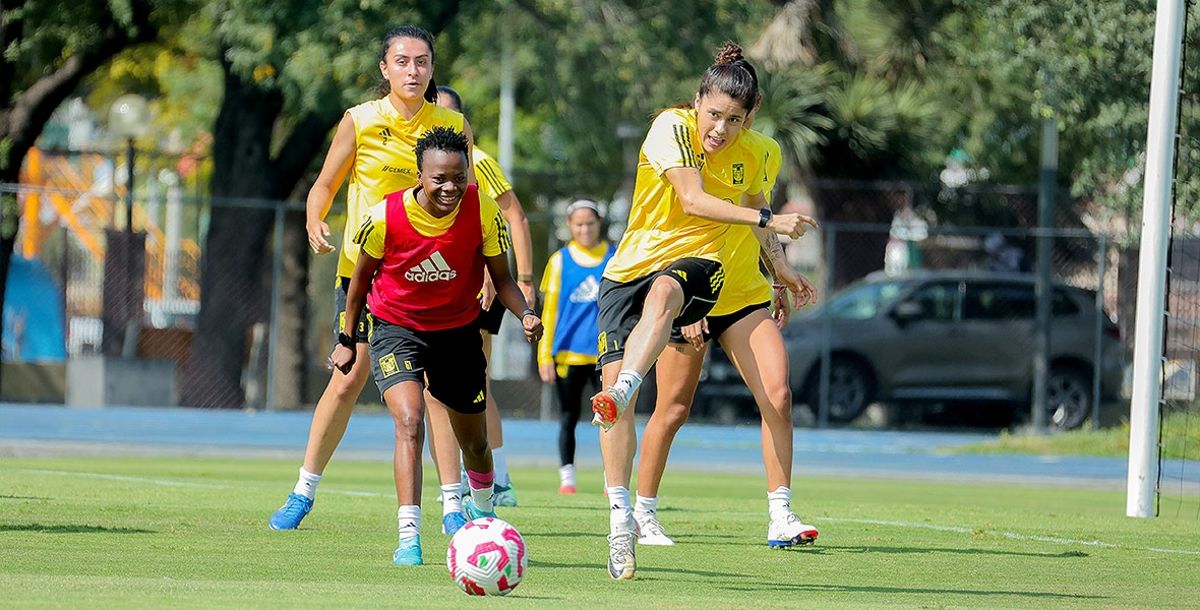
<point x="764" y="216"/>
<point x="346" y="340"/>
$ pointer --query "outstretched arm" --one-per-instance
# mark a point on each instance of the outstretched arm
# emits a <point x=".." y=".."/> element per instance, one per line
<point x="333" y="172"/>
<point x="356" y="297"/>
<point x="696" y="202"/>
<point x="511" y="297"/>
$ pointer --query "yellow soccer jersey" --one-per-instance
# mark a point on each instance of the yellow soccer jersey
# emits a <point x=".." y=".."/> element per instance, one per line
<point x="384" y="160"/>
<point x="745" y="285"/>
<point x="659" y="232"/>
<point x="488" y="174"/>
<point x="372" y="231"/>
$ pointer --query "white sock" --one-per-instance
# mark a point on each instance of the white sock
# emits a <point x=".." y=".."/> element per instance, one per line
<point x="483" y="498"/>
<point x="451" y="498"/>
<point x="645" y="507"/>
<point x="306" y="485"/>
<point x="566" y="475"/>
<point x="779" y="502"/>
<point x="408" y="520"/>
<point x="500" y="467"/>
<point x="628" y="382"/>
<point x="618" y="517"/>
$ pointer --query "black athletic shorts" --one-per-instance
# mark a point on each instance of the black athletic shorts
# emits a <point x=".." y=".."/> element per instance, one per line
<point x="363" y="333"/>
<point x="717" y="325"/>
<point x="621" y="302"/>
<point x="451" y="361"/>
<point x="490" y="318"/>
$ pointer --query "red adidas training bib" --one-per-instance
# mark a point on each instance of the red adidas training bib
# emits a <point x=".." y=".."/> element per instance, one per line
<point x="429" y="283"/>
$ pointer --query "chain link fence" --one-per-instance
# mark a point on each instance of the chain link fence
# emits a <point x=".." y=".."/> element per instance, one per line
<point x="165" y="315"/>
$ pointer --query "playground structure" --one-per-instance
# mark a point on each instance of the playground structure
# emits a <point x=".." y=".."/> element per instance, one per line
<point x="73" y="199"/>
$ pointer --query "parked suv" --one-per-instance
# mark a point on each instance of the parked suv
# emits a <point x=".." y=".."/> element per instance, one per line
<point x="942" y="336"/>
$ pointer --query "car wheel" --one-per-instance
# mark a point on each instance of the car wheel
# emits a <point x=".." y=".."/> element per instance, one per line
<point x="851" y="389"/>
<point x="1068" y="398"/>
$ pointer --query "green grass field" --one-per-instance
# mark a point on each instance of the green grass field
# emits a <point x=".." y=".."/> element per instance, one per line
<point x="192" y="533"/>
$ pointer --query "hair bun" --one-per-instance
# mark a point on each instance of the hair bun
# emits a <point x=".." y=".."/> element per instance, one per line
<point x="730" y="52"/>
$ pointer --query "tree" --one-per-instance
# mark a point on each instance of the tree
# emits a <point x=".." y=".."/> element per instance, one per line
<point x="47" y="52"/>
<point x="1087" y="65"/>
<point x="289" y="70"/>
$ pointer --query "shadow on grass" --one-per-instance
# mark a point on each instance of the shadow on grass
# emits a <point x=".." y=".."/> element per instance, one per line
<point x="831" y="588"/>
<point x="70" y="529"/>
<point x="640" y="570"/>
<point x="907" y="550"/>
<point x="23" y="498"/>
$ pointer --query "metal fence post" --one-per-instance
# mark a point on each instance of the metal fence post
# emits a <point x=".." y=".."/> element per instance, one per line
<point x="276" y="275"/>
<point x="827" y="329"/>
<point x="1099" y="331"/>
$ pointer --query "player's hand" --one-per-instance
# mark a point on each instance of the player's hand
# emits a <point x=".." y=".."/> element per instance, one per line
<point x="694" y="333"/>
<point x="783" y="309"/>
<point x="802" y="290"/>
<point x="342" y="358"/>
<point x="318" y="231"/>
<point x="489" y="292"/>
<point x="792" y="225"/>
<point x="528" y="292"/>
<point x="533" y="327"/>
<point x="548" y="372"/>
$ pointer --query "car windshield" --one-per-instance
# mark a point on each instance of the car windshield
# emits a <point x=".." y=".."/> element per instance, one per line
<point x="861" y="302"/>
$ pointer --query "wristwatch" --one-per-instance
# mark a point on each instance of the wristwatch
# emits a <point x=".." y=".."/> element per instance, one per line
<point x="764" y="216"/>
<point x="346" y="340"/>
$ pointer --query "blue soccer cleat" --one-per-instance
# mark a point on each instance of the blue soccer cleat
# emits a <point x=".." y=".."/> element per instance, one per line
<point x="289" y="516"/>
<point x="473" y="512"/>
<point x="504" y="495"/>
<point x="452" y="522"/>
<point x="408" y="553"/>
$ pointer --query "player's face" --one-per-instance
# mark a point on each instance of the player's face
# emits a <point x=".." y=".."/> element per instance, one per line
<point x="408" y="66"/>
<point x="585" y="227"/>
<point x="719" y="118"/>
<point x="443" y="177"/>
<point x="445" y="101"/>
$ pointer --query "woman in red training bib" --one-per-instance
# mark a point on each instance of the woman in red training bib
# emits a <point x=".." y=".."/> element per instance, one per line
<point x="423" y="254"/>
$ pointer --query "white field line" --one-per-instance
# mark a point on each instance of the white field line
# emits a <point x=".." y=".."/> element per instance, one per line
<point x="902" y="524"/>
<point x="171" y="482"/>
<point x="1009" y="535"/>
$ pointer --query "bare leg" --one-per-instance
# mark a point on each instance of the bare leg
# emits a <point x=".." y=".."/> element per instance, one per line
<point x="677" y="377"/>
<point x="756" y="348"/>
<point x="646" y="341"/>
<point x="619" y="444"/>
<point x="442" y="444"/>
<point x="333" y="411"/>
<point x="495" y="432"/>
<point x="405" y="403"/>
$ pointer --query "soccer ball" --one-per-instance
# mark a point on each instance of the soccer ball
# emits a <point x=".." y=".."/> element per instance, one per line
<point x="487" y="557"/>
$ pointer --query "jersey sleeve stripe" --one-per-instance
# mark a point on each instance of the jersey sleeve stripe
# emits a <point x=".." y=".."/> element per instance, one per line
<point x="364" y="232"/>
<point x="683" y="140"/>
<point x="489" y="174"/>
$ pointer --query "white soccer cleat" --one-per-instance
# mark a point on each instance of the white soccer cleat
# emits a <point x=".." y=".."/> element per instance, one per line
<point x="621" y="561"/>
<point x="789" y="531"/>
<point x="650" y="532"/>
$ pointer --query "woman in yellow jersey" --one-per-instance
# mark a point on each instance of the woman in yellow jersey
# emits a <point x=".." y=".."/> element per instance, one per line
<point x="493" y="183"/>
<point x="693" y="166"/>
<point x="567" y="353"/>
<point x="375" y="146"/>
<point x="741" y="321"/>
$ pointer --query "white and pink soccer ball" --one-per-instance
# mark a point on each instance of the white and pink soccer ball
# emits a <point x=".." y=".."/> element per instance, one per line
<point x="487" y="557"/>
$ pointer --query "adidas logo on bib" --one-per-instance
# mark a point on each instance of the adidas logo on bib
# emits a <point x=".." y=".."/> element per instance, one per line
<point x="432" y="269"/>
<point x="588" y="291"/>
